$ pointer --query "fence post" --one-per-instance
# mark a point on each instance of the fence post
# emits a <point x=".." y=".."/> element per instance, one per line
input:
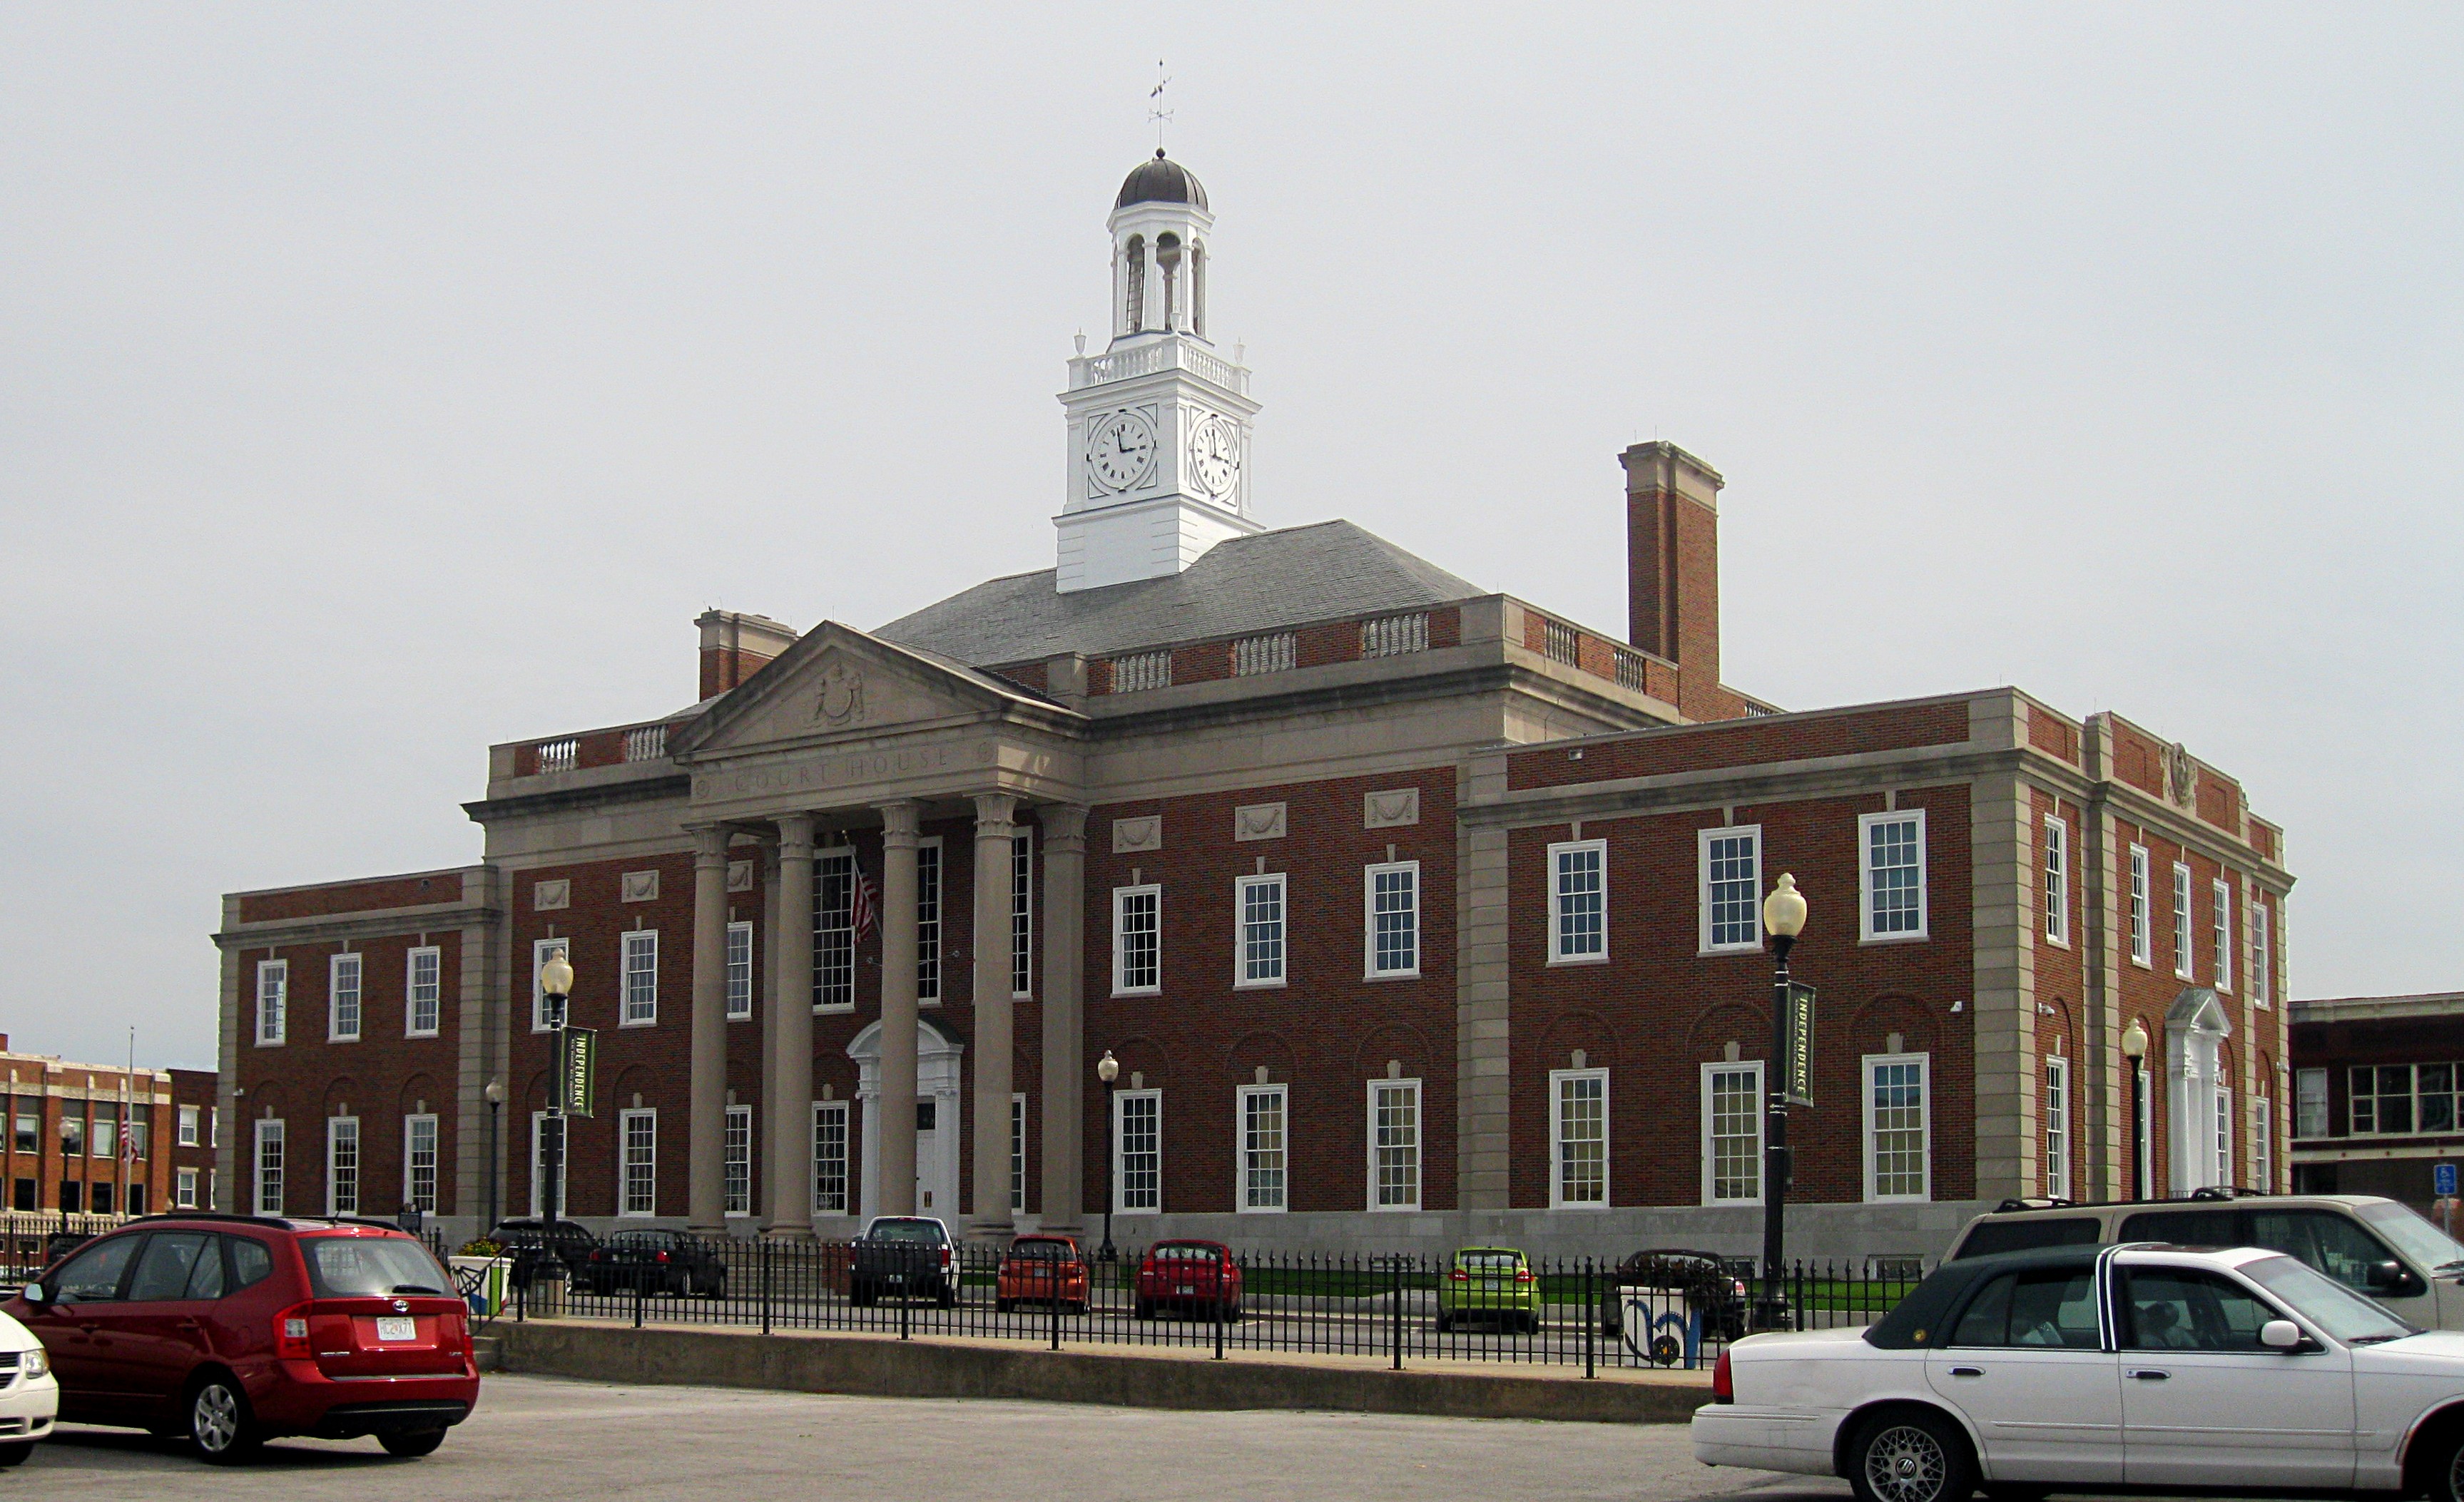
<point x="1052" y="1286"/>
<point x="907" y="1290"/>
<point x="1395" y="1277"/>
<point x="1591" y="1317"/>
<point x="640" y="1284"/>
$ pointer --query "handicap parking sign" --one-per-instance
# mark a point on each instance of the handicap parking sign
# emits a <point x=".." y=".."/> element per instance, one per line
<point x="2442" y="1180"/>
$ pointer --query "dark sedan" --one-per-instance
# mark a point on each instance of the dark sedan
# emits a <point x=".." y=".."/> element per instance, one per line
<point x="653" y="1262"/>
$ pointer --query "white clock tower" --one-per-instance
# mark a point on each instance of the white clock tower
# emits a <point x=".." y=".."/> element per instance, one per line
<point x="1159" y="424"/>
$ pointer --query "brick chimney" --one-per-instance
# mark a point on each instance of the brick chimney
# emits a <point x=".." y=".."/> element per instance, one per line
<point x="1672" y="538"/>
<point x="733" y="645"/>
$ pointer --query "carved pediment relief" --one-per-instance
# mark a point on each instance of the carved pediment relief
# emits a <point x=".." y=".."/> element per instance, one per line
<point x="833" y="683"/>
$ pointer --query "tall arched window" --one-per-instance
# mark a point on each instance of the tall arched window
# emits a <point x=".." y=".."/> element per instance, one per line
<point x="1198" y="289"/>
<point x="1134" y="298"/>
<point x="1168" y="262"/>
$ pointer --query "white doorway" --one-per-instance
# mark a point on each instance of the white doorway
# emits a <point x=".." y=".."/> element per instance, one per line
<point x="933" y="1117"/>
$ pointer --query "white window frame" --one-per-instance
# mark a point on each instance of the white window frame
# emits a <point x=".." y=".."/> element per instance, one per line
<point x="1245" y="1153"/>
<point x="273" y="1002"/>
<point x="1121" y="1099"/>
<point x="1761" y="1117"/>
<point x="270" y="1133"/>
<point x="1369" y="964"/>
<point x="192" y="1122"/>
<point x="1866" y="932"/>
<point x="1248" y="973"/>
<point x="1022" y="915"/>
<point x="1121" y="898"/>
<point x="2184" y="946"/>
<point x="2221" y="1131"/>
<point x="2221" y="930"/>
<point x="2053" y="885"/>
<point x="343" y="1158"/>
<point x="2262" y="1144"/>
<point x="1872" y="1164"/>
<point x="637" y="1164"/>
<point x="830" y="1120"/>
<point x="736" y="1163"/>
<point x="1558" y="1080"/>
<point x="1416" y="1147"/>
<point x="933" y="897"/>
<point x="638" y="1004"/>
<point x="352" y="967"/>
<point x="539" y="1164"/>
<point x="1702" y="842"/>
<point x="835" y="863"/>
<point x="541" y="951"/>
<point x="413" y="1196"/>
<point x="1018" y="1153"/>
<point x="416" y="993"/>
<point x="2143" y="914"/>
<point x="184" y="1189"/>
<point x="739" y="971"/>
<point x="2304" y="1096"/>
<point x="2057" y="1127"/>
<point x="2261" y="982"/>
<point x="1558" y="855"/>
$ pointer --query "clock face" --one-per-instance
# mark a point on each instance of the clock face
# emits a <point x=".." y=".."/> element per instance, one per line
<point x="1215" y="456"/>
<point x="1120" y="451"/>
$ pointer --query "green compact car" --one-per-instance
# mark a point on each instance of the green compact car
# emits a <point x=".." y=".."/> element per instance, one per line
<point x="1494" y="1283"/>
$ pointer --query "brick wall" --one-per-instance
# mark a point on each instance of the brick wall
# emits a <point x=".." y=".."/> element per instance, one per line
<point x="1754" y="741"/>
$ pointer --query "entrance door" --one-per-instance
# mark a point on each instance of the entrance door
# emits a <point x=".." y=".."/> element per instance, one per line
<point x="936" y="1188"/>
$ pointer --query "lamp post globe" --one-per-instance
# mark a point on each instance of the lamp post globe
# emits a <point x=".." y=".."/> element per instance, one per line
<point x="1784" y="913"/>
<point x="2134" y="1048"/>
<point x="1108" y="1069"/>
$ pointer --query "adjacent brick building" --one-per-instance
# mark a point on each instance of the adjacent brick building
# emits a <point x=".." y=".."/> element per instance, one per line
<point x="2375" y="1087"/>
<point x="85" y="1138"/>
<point x="1409" y="913"/>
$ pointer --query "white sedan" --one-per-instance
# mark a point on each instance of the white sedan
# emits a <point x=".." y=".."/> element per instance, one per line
<point x="2080" y="1369"/>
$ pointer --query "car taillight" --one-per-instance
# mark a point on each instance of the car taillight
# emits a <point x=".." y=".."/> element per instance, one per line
<point x="1523" y="1275"/>
<point x="291" y="1334"/>
<point x="1724" y="1386"/>
<point x="945" y="1259"/>
<point x="662" y="1256"/>
<point x="1458" y="1276"/>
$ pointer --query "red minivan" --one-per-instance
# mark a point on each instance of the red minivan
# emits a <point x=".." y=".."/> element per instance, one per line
<point x="230" y="1329"/>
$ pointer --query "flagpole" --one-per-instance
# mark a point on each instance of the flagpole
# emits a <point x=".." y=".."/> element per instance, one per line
<point x="128" y="1143"/>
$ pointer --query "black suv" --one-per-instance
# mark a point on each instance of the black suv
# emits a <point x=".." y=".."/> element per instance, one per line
<point x="538" y="1255"/>
<point x="653" y="1262"/>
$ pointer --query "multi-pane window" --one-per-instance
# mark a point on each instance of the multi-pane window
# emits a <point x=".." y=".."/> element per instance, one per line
<point x="543" y="951"/>
<point x="1259" y="899"/>
<point x="541" y="1132"/>
<point x="72" y="1131"/>
<point x="736" y="1182"/>
<point x="2224" y="1137"/>
<point x="190" y="1117"/>
<point x="139" y="1115"/>
<point x="1732" y="883"/>
<point x="272" y="996"/>
<point x="343" y="1165"/>
<point x="928" y="922"/>
<point x="834" y="882"/>
<point x="1895" y="874"/>
<point x="342" y="998"/>
<point x="641" y="977"/>
<point x="2310" y="1111"/>
<point x="739" y="971"/>
<point x="184" y="1189"/>
<point x="2221" y="926"/>
<point x="1733" y="1134"/>
<point x="2262" y="1144"/>
<point x="419" y="1163"/>
<point x="2182" y="921"/>
<point x="1018" y="1154"/>
<point x="1393" y="896"/>
<point x="2057" y="1127"/>
<point x="1022" y="914"/>
<point x="638" y="1170"/>
<point x="2057" y="892"/>
<point x="831" y="1157"/>
<point x="1264" y="1163"/>
<point x="2390" y="1098"/>
<point x="1137" y="1138"/>
<point x="2143" y="941"/>
<point x="2262" y="954"/>
<point x="106" y="1130"/>
<point x="1579" y="1130"/>
<point x="1897" y="1159"/>
<point x="1394" y="1144"/>
<point x="423" y="984"/>
<point x="1137" y="939"/>
<point x="269" y="1166"/>
<point x="1579" y="906"/>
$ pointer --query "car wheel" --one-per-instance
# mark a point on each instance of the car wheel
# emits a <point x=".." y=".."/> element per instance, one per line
<point x="1143" y="1309"/>
<point x="2445" y="1473"/>
<point x="1910" y="1457"/>
<point x="1002" y="1306"/>
<point x="220" y="1427"/>
<point x="1445" y="1323"/>
<point x="15" y="1454"/>
<point x="410" y="1446"/>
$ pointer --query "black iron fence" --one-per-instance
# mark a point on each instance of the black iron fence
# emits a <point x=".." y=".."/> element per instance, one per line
<point x="31" y="1239"/>
<point x="1649" y="1310"/>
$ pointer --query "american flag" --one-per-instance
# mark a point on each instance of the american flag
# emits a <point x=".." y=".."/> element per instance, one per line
<point x="861" y="906"/>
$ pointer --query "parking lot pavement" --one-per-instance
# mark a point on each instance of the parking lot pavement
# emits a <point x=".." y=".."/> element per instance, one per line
<point x="537" y="1437"/>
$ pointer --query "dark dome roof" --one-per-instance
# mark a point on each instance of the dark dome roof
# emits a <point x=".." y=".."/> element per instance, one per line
<point x="1161" y="181"/>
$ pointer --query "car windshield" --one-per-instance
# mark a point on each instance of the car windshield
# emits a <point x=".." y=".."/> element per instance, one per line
<point x="349" y="1267"/>
<point x="2427" y="1245"/>
<point x="907" y="1230"/>
<point x="2326" y="1303"/>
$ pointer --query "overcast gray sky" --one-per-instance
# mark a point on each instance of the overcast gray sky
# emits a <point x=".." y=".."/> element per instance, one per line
<point x="377" y="383"/>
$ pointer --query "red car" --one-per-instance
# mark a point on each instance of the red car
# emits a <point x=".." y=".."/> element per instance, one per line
<point x="1041" y="1270"/>
<point x="230" y="1329"/>
<point x="1192" y="1278"/>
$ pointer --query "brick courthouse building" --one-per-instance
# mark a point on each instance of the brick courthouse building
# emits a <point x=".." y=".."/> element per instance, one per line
<point x="1412" y="913"/>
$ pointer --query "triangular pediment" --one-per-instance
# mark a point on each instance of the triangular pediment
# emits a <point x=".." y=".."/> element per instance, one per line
<point x="837" y="683"/>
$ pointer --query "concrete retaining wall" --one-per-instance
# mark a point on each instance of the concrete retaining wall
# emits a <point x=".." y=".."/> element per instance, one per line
<point x="882" y="1367"/>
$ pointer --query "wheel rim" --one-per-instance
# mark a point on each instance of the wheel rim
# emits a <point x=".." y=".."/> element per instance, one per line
<point x="2455" y="1474"/>
<point x="215" y="1421"/>
<point x="1905" y="1464"/>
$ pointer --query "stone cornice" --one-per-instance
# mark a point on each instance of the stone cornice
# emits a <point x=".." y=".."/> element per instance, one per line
<point x="392" y="923"/>
<point x="648" y="789"/>
<point x="1764" y="782"/>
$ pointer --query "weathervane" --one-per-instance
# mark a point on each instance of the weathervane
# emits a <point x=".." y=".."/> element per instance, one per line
<point x="1156" y="110"/>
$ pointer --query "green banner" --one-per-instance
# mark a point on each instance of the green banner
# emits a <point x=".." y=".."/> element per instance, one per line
<point x="581" y="1068"/>
<point x="1797" y="1063"/>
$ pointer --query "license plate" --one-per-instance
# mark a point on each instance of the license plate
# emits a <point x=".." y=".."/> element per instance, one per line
<point x="403" y="1328"/>
<point x="1186" y="1288"/>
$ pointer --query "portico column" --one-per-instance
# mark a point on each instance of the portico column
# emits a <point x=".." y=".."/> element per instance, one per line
<point x="768" y="989"/>
<point x="789" y="1089"/>
<point x="1064" y="1045"/>
<point x="895" y="1153"/>
<point x="992" y="1000"/>
<point x="706" y="1122"/>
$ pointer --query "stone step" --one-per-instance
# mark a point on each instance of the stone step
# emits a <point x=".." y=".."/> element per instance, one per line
<point x="490" y="1350"/>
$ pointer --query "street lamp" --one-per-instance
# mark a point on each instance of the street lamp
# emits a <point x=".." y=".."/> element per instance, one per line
<point x="1108" y="1069"/>
<point x="2134" y="1048"/>
<point x="495" y="1097"/>
<point x="1783" y="919"/>
<point x="556" y="987"/>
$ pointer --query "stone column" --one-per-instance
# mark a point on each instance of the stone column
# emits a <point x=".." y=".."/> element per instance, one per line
<point x="1064" y="1043"/>
<point x="706" y="1126"/>
<point x="768" y="990"/>
<point x="894" y="1155"/>
<point x="790" y="1087"/>
<point x="992" y="999"/>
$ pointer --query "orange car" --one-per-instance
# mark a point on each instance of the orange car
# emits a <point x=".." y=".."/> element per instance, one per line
<point x="1041" y="1270"/>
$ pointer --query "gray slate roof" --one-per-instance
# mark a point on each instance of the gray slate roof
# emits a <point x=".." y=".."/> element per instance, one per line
<point x="1276" y="578"/>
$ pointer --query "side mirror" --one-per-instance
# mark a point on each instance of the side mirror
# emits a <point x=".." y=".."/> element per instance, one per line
<point x="2384" y="1275"/>
<point x="2281" y="1334"/>
<point x="33" y="1294"/>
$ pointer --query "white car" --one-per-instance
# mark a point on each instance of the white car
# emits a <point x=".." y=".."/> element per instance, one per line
<point x="29" y="1395"/>
<point x="2087" y="1369"/>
